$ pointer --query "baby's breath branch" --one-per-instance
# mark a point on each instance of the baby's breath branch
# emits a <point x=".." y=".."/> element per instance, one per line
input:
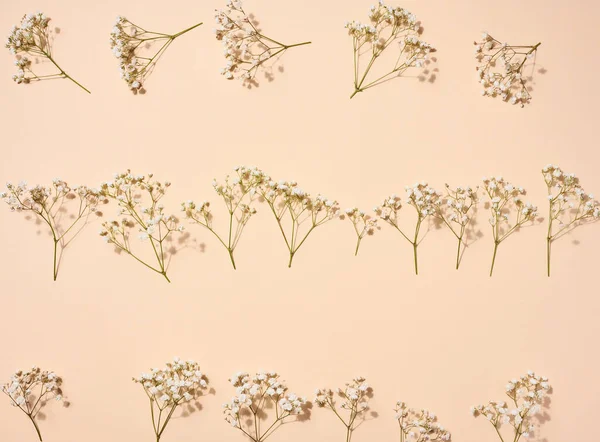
<point x="501" y="69"/>
<point x="238" y="194"/>
<point x="32" y="38"/>
<point x="504" y="196"/>
<point x="387" y="25"/>
<point x="569" y="207"/>
<point x="246" y="47"/>
<point x="127" y="40"/>
<point x="48" y="203"/>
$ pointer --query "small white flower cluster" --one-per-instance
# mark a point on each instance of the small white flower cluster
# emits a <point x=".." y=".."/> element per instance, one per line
<point x="153" y="224"/>
<point x="363" y="224"/>
<point x="254" y="395"/>
<point x="419" y="425"/>
<point x="458" y="204"/>
<point x="31" y="390"/>
<point x="354" y="396"/>
<point x="30" y="37"/>
<point x="238" y="193"/>
<point x="527" y="396"/>
<point x="501" y="194"/>
<point x="178" y="382"/>
<point x="27" y="388"/>
<point x="501" y="69"/>
<point x="386" y="25"/>
<point x="566" y="194"/>
<point x="42" y="199"/>
<point x="124" y="41"/>
<point x="423" y="198"/>
<point x="388" y="210"/>
<point x="128" y="40"/>
<point x="246" y="49"/>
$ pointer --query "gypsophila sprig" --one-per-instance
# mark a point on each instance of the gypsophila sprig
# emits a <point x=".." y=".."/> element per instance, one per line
<point x="291" y="205"/>
<point x="33" y="38"/>
<point x="138" y="50"/>
<point x="363" y="224"/>
<point x="246" y="47"/>
<point x="424" y="199"/>
<point x="239" y="193"/>
<point x="569" y="205"/>
<point x="419" y="425"/>
<point x="31" y="390"/>
<point x="257" y="396"/>
<point x="49" y="204"/>
<point x="505" y="198"/>
<point x="500" y="69"/>
<point x="167" y="388"/>
<point x="387" y="25"/>
<point x="457" y="213"/>
<point x="148" y="216"/>
<point x="526" y="399"/>
<point x="349" y="404"/>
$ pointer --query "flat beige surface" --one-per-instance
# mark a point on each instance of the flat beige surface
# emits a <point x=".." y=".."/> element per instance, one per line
<point x="445" y="340"/>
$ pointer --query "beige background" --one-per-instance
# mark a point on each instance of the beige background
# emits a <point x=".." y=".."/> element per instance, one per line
<point x="445" y="340"/>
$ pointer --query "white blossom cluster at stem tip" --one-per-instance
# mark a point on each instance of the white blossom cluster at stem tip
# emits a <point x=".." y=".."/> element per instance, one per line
<point x="387" y="25"/>
<point x="419" y="425"/>
<point x="167" y="388"/>
<point x="131" y="45"/>
<point x="256" y="394"/>
<point x="30" y="390"/>
<point x="349" y="404"/>
<point x="246" y="48"/>
<point x="32" y="38"/>
<point x="500" y="69"/>
<point x="526" y="399"/>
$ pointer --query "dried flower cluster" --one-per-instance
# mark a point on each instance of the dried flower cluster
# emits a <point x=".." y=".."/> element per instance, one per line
<point x="246" y="48"/>
<point x="289" y="203"/>
<point x="570" y="205"/>
<point x="49" y="204"/>
<point x="239" y="193"/>
<point x="424" y="199"/>
<point x="457" y="213"/>
<point x="148" y="216"/>
<point x="419" y="425"/>
<point x="351" y="401"/>
<point x="255" y="396"/>
<point x="131" y="45"/>
<point x="33" y="38"/>
<point x="504" y="197"/>
<point x="387" y="25"/>
<point x="500" y="71"/>
<point x="167" y="388"/>
<point x="526" y="399"/>
<point x="364" y="224"/>
<point x="31" y="390"/>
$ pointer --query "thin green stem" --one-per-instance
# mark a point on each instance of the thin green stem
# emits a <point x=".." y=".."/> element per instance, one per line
<point x="62" y="72"/>
<point x="297" y="44"/>
<point x="36" y="427"/>
<point x="496" y="243"/>
<point x="173" y="37"/>
<point x="458" y="253"/>
<point x="55" y="259"/>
